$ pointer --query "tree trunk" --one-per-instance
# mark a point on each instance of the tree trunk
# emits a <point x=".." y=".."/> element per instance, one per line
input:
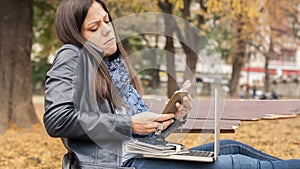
<point x="155" y="81"/>
<point x="16" y="107"/>
<point x="190" y="51"/>
<point x="194" y="41"/>
<point x="172" y="86"/>
<point x="267" y="75"/>
<point x="170" y="50"/>
<point x="239" y="57"/>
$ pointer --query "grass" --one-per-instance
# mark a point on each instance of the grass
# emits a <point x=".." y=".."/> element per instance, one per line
<point x="34" y="149"/>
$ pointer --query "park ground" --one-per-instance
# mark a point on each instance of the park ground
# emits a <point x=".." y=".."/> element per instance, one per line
<point x="34" y="149"/>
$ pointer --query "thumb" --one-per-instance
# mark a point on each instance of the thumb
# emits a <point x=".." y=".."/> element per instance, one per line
<point x="186" y="85"/>
<point x="164" y="117"/>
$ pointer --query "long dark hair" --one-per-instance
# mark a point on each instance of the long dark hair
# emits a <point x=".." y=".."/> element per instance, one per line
<point x="69" y="17"/>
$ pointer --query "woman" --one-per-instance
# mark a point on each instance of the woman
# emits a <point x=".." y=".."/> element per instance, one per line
<point x="93" y="102"/>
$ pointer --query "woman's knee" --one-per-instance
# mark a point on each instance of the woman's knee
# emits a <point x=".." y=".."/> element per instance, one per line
<point x="228" y="141"/>
<point x="223" y="143"/>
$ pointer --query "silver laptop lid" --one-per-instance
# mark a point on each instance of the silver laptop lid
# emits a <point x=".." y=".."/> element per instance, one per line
<point x="216" y="125"/>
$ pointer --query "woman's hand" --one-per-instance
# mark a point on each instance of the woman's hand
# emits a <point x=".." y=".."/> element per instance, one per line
<point x="147" y="122"/>
<point x="184" y="108"/>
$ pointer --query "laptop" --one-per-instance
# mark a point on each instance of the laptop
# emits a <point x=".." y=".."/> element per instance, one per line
<point x="171" y="153"/>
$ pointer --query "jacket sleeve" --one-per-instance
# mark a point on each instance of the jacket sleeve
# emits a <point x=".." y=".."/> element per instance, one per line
<point x="62" y="119"/>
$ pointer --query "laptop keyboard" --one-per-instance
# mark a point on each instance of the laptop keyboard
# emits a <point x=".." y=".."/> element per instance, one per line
<point x="198" y="153"/>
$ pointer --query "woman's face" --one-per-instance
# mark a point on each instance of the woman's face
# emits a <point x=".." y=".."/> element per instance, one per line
<point x="98" y="29"/>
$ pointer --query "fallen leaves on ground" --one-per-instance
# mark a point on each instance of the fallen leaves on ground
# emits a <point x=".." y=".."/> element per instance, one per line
<point x="30" y="149"/>
<point x="34" y="149"/>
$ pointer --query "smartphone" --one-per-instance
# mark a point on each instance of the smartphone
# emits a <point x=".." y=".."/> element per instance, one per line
<point x="176" y="97"/>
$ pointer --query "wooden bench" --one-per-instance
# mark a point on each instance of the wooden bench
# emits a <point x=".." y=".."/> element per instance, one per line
<point x="200" y="119"/>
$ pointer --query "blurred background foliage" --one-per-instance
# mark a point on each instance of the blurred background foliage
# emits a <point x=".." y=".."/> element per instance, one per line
<point x="45" y="42"/>
<point x="232" y="25"/>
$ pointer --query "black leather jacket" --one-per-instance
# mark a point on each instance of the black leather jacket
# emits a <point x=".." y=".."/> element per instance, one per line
<point x="92" y="132"/>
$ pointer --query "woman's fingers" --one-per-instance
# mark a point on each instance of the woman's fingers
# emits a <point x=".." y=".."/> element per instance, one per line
<point x="187" y="102"/>
<point x="186" y="85"/>
<point x="183" y="108"/>
<point x="158" y="125"/>
<point x="165" y="117"/>
<point x="167" y="123"/>
<point x="162" y="125"/>
<point x="182" y="111"/>
<point x="147" y="122"/>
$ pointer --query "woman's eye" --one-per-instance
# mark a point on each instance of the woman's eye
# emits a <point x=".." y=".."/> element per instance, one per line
<point x="93" y="29"/>
<point x="107" y="21"/>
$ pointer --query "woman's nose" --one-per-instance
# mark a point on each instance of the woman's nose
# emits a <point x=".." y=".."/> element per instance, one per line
<point x="106" y="29"/>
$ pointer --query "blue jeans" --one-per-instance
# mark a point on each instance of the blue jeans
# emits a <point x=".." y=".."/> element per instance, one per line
<point x="232" y="155"/>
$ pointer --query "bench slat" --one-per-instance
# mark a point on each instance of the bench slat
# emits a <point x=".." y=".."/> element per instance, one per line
<point x="238" y="109"/>
<point x="200" y="119"/>
<point x="207" y="126"/>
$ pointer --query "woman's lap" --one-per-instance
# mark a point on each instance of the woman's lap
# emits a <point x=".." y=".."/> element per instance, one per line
<point x="236" y="161"/>
<point x="233" y="155"/>
<point x="223" y="161"/>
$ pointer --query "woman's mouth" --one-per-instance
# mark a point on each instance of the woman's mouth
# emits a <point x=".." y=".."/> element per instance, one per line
<point x="109" y="42"/>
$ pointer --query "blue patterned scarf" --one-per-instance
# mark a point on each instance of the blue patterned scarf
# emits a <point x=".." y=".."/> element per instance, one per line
<point x="120" y="77"/>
